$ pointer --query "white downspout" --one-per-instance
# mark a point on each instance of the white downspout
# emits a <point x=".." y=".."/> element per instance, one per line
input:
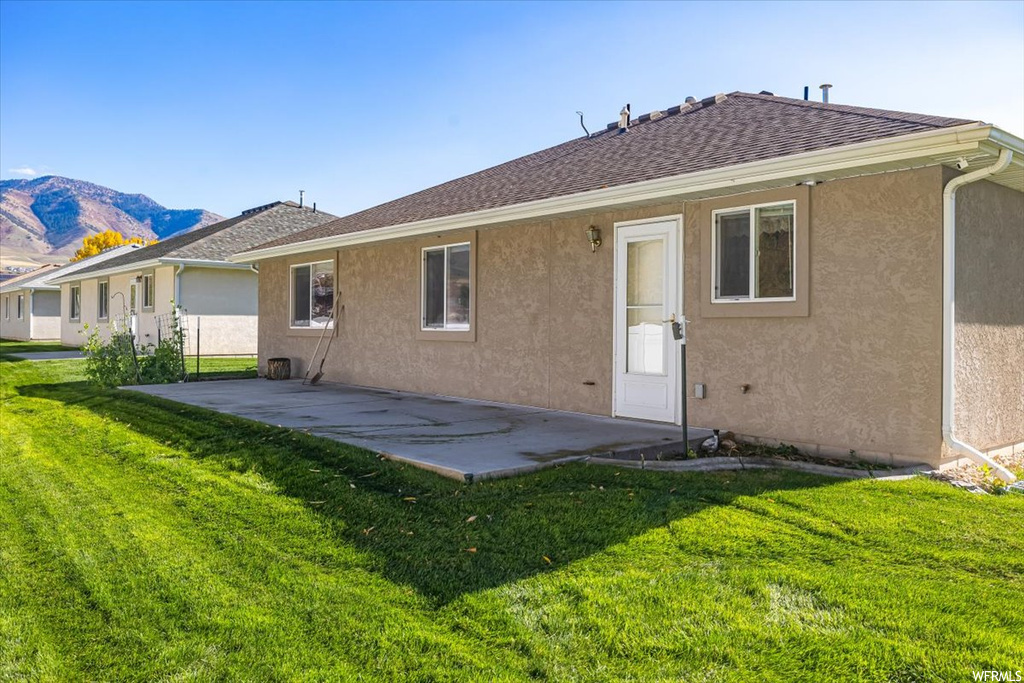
<point x="949" y="309"/>
<point x="177" y="285"/>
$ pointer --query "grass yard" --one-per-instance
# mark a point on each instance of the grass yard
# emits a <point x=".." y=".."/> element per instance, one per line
<point x="142" y="539"/>
<point x="12" y="346"/>
<point x="221" y="367"/>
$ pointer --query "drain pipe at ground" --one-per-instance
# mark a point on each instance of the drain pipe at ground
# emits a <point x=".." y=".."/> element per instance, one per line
<point x="949" y="309"/>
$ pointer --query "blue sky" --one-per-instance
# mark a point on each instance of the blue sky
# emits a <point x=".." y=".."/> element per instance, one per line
<point x="224" y="106"/>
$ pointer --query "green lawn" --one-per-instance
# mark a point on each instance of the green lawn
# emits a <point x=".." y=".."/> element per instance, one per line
<point x="142" y="539"/>
<point x="11" y="346"/>
<point x="210" y="367"/>
<point x="221" y="367"/>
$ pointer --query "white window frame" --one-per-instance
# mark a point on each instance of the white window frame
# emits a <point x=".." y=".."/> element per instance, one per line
<point x="148" y="305"/>
<point x="21" y="307"/>
<point x="102" y="300"/>
<point x="752" y="284"/>
<point x="291" y="296"/>
<point x="71" y="303"/>
<point x="446" y="326"/>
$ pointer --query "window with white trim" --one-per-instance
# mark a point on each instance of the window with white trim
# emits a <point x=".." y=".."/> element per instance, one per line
<point x="103" y="300"/>
<point x="312" y="294"/>
<point x="21" y="306"/>
<point x="753" y="253"/>
<point x="445" y="301"/>
<point x="148" y="291"/>
<point x="75" y="303"/>
<point x="7" y="308"/>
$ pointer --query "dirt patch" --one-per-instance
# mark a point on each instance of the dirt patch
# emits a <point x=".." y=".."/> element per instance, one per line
<point x="971" y="474"/>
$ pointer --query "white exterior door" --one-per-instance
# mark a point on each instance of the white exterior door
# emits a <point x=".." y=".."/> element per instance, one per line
<point x="647" y="294"/>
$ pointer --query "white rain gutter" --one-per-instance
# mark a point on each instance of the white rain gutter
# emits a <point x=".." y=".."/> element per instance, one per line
<point x="76" y="276"/>
<point x="949" y="309"/>
<point x="146" y="265"/>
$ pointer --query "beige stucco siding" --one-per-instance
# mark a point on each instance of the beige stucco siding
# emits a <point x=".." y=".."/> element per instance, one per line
<point x="225" y="299"/>
<point x="71" y="331"/>
<point x="989" y="369"/>
<point x="862" y="370"/>
<point x="45" y="309"/>
<point x="40" y="316"/>
<point x="11" y="326"/>
<point x="856" y="366"/>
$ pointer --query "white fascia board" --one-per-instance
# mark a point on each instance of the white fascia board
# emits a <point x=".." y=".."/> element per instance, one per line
<point x="104" y="272"/>
<point x="203" y="263"/>
<point x="145" y="265"/>
<point x="905" y="148"/>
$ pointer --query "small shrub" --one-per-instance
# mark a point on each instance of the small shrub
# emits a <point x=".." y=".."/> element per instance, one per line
<point x="111" y="362"/>
<point x="116" y="361"/>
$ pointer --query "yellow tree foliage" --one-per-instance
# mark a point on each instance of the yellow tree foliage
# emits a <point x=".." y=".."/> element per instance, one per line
<point x="94" y="244"/>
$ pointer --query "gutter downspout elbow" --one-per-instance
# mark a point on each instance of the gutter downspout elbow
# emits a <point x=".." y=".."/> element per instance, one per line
<point x="949" y="311"/>
<point x="254" y="268"/>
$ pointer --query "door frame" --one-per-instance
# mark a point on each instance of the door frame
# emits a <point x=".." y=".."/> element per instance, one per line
<point x="616" y="313"/>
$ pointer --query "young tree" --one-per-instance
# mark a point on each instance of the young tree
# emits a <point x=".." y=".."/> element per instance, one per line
<point x="94" y="244"/>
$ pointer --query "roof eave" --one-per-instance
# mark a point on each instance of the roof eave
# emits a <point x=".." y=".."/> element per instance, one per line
<point x="77" y="276"/>
<point x="817" y="165"/>
<point x="151" y="263"/>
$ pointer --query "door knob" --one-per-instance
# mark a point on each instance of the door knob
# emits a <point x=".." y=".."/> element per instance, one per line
<point x="671" y="319"/>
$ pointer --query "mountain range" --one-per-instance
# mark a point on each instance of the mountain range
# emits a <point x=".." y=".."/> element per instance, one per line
<point x="43" y="220"/>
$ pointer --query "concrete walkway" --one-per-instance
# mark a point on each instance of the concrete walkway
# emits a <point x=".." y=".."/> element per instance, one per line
<point x="47" y="355"/>
<point x="458" y="438"/>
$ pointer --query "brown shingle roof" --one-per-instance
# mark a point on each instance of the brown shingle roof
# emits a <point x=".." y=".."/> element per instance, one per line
<point x="218" y="241"/>
<point x="713" y="133"/>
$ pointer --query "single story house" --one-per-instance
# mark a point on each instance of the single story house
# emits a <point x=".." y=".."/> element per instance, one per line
<point x="31" y="303"/>
<point x="851" y="279"/>
<point x="216" y="300"/>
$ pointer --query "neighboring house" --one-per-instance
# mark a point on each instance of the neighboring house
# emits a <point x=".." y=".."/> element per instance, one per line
<point x="217" y="300"/>
<point x="806" y="244"/>
<point x="30" y="305"/>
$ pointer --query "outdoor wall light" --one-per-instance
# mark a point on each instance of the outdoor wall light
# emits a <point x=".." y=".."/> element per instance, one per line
<point x="594" y="235"/>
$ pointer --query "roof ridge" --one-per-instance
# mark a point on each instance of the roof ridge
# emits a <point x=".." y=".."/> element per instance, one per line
<point x="852" y="109"/>
<point x="684" y="108"/>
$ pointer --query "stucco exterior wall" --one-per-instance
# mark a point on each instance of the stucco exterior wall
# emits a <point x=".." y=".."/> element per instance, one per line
<point x="219" y="291"/>
<point x="221" y="306"/>
<point x="860" y="370"/>
<point x="11" y="326"/>
<point x="45" y="315"/>
<point x="224" y="299"/>
<point x="989" y="367"/>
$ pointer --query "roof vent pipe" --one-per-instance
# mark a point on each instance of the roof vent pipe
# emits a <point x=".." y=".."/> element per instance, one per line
<point x="624" y="118"/>
<point x="807" y="92"/>
<point x="824" y="91"/>
<point x="581" y="123"/>
<point x="314" y="207"/>
<point x="301" y="192"/>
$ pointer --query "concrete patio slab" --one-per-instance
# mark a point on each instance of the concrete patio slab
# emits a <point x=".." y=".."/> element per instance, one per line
<point x="459" y="438"/>
<point x="48" y="355"/>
